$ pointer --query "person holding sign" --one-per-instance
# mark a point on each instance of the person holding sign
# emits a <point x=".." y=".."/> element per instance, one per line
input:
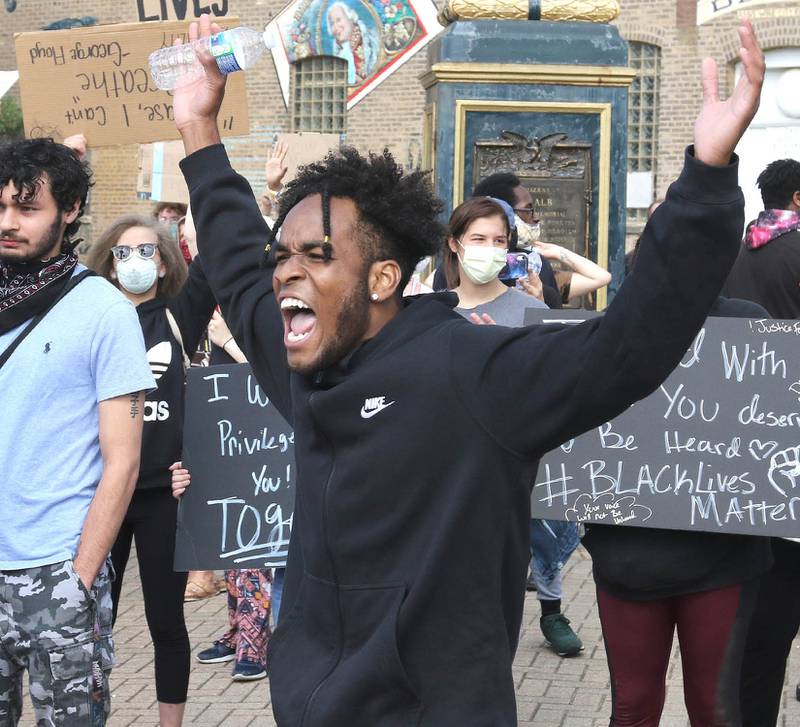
<point x="407" y="416"/>
<point x="767" y="272"/>
<point x="653" y="582"/>
<point x="249" y="590"/>
<point x="139" y="256"/>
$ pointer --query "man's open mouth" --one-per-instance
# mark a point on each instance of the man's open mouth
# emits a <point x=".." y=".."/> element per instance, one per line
<point x="299" y="319"/>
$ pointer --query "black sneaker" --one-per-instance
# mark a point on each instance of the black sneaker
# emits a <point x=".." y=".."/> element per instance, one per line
<point x="559" y="635"/>
<point x="246" y="672"/>
<point x="217" y="654"/>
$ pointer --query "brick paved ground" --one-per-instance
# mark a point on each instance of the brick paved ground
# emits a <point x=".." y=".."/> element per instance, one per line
<point x="551" y="691"/>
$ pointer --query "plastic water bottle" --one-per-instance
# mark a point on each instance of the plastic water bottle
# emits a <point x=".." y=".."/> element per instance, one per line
<point x="535" y="262"/>
<point x="237" y="49"/>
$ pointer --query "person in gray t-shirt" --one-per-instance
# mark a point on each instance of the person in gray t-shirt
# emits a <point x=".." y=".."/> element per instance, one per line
<point x="479" y="232"/>
<point x="477" y="248"/>
<point x="507" y="309"/>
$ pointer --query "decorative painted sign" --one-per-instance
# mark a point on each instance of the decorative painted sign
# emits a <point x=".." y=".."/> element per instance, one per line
<point x="375" y="37"/>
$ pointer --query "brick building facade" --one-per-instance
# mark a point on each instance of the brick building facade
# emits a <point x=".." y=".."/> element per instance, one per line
<point x="668" y="45"/>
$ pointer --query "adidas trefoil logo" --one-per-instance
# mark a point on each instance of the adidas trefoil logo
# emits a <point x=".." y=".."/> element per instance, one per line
<point x="159" y="357"/>
<point x="374" y="405"/>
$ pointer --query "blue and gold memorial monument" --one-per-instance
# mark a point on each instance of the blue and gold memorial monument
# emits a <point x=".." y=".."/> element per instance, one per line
<point x="538" y="88"/>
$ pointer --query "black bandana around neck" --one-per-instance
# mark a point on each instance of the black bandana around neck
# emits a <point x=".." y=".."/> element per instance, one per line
<point x="26" y="289"/>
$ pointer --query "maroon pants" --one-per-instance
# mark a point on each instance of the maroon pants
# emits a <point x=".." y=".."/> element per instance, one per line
<point x="711" y="631"/>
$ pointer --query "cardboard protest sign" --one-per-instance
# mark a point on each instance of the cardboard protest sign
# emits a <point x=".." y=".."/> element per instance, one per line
<point x="96" y="81"/>
<point x="716" y="447"/>
<point x="238" y="510"/>
<point x="306" y="147"/>
<point x="160" y="178"/>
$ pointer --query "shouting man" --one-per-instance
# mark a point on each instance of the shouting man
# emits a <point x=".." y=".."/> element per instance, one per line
<point x="72" y="378"/>
<point x="415" y="452"/>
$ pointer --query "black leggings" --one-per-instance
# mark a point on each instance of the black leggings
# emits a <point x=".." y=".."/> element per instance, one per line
<point x="769" y="640"/>
<point x="151" y="518"/>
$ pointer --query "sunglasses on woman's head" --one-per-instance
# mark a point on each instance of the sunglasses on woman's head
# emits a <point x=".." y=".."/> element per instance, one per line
<point x="145" y="251"/>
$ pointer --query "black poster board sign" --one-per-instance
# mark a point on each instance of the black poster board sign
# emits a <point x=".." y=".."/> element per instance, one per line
<point x="237" y="512"/>
<point x="715" y="448"/>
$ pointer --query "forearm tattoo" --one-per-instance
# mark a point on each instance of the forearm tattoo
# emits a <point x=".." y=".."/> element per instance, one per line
<point x="134" y="405"/>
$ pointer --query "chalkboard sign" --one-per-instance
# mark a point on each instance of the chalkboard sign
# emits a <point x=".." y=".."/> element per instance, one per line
<point x="715" y="448"/>
<point x="237" y="512"/>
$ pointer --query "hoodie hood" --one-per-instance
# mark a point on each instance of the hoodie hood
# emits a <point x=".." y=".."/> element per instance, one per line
<point x="769" y="225"/>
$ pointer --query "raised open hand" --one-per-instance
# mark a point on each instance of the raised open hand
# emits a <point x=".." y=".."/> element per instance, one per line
<point x="721" y="124"/>
<point x="197" y="103"/>
<point x="276" y="165"/>
<point x="78" y="144"/>
<point x="548" y="250"/>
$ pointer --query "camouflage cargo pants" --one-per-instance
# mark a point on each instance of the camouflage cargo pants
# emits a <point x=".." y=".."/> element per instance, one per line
<point x="51" y="625"/>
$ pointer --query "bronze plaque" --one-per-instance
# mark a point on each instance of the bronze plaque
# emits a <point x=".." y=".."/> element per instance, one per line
<point x="558" y="174"/>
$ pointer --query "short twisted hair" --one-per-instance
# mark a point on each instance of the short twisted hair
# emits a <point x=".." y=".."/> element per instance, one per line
<point x="778" y="183"/>
<point x="398" y="212"/>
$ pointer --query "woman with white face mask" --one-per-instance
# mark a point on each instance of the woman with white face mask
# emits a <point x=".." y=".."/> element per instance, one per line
<point x="174" y="306"/>
<point x="477" y="252"/>
<point x="477" y="249"/>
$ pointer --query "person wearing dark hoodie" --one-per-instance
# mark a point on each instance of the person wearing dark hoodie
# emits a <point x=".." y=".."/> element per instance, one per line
<point x="415" y="452"/>
<point x="767" y="271"/>
<point x="138" y="256"/>
<point x="653" y="582"/>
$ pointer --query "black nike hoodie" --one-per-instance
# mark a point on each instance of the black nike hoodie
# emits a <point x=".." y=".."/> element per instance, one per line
<point x="405" y="582"/>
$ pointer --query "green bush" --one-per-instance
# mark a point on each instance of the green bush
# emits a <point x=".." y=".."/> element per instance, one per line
<point x="11" y="126"/>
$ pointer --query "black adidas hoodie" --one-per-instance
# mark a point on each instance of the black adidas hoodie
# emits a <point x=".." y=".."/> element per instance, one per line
<point x="405" y="582"/>
<point x="162" y="436"/>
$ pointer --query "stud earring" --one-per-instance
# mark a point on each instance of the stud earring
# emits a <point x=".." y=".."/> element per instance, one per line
<point x="375" y="297"/>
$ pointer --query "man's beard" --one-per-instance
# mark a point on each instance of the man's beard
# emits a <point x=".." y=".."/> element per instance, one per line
<point x="351" y="325"/>
<point x="39" y="251"/>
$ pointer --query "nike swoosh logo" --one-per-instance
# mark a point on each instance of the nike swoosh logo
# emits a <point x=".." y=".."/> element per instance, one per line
<point x="369" y="414"/>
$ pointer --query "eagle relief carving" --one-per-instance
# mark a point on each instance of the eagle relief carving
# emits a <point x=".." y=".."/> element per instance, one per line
<point x="551" y="155"/>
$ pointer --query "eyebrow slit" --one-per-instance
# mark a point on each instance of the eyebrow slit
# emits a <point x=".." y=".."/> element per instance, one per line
<point x="325" y="246"/>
